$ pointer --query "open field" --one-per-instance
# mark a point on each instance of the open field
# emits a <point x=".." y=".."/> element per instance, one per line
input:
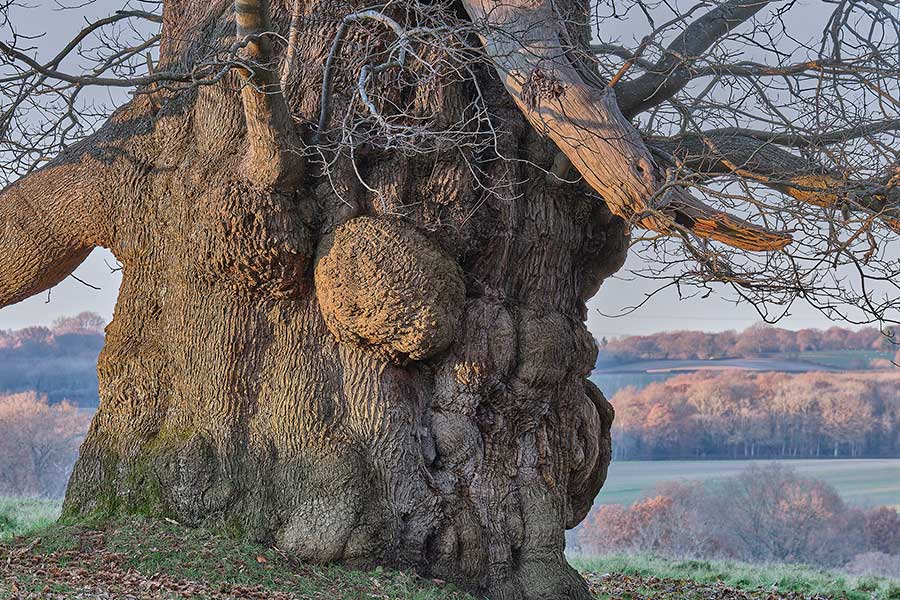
<point x="21" y="516"/>
<point x="151" y="559"/>
<point x="611" y="377"/>
<point x="781" y="365"/>
<point x="845" y="360"/>
<point x="652" y="577"/>
<point x="866" y="482"/>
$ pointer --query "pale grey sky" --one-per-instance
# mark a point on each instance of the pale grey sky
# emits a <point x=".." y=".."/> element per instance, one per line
<point x="664" y="312"/>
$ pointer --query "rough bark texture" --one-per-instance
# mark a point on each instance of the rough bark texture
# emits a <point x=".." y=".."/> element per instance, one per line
<point x="407" y="390"/>
<point x="530" y="48"/>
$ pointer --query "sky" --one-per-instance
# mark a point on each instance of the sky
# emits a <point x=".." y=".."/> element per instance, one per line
<point x="664" y="312"/>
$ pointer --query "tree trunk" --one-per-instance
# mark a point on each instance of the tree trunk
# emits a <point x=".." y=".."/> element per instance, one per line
<point x="396" y="379"/>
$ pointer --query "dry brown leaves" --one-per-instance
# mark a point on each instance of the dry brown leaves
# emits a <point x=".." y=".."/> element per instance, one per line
<point x="107" y="578"/>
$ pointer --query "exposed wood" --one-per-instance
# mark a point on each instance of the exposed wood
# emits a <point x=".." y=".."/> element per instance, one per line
<point x="525" y="43"/>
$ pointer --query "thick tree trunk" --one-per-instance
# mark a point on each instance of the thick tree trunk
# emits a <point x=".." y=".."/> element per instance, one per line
<point x="405" y="389"/>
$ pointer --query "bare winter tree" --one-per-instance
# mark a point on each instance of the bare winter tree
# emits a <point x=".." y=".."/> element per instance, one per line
<point x="357" y="241"/>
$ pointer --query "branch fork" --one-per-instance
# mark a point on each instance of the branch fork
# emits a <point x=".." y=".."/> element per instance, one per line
<point x="522" y="38"/>
<point x="274" y="157"/>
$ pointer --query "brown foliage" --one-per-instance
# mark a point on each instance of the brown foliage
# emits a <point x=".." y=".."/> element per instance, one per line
<point x="608" y="528"/>
<point x="763" y="415"/>
<point x="764" y="514"/>
<point x="883" y="530"/>
<point x="772" y="513"/>
<point x="38" y="444"/>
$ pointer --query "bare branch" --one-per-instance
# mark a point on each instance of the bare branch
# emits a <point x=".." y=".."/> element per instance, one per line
<point x="671" y="72"/>
<point x="715" y="153"/>
<point x="274" y="157"/>
<point x="808" y="140"/>
<point x="525" y="45"/>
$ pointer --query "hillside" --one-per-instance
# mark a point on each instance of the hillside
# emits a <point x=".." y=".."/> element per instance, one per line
<point x="148" y="559"/>
<point x="860" y="482"/>
<point x="835" y="347"/>
<point x="747" y="414"/>
<point x="639" y="361"/>
<point x="59" y="362"/>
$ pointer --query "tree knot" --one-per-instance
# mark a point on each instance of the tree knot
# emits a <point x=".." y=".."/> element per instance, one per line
<point x="539" y="86"/>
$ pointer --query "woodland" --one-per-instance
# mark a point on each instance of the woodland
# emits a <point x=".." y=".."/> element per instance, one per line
<point x="756" y="341"/>
<point x="741" y="414"/>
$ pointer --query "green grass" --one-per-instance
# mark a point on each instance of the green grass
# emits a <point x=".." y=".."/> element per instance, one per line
<point x="20" y="516"/>
<point x="109" y="560"/>
<point x="742" y="576"/>
<point x="850" y="360"/>
<point x="69" y="559"/>
<point x="866" y="482"/>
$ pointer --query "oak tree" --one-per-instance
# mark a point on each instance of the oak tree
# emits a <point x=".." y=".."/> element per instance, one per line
<point x="357" y="240"/>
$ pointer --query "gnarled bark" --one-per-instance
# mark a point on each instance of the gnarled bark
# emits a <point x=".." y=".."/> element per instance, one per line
<point x="352" y="386"/>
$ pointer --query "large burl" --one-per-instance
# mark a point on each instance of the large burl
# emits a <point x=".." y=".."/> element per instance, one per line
<point x="385" y="286"/>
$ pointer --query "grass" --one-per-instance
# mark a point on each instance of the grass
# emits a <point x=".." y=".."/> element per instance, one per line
<point x="21" y="516"/>
<point x="167" y="560"/>
<point x="173" y="561"/>
<point x="741" y="576"/>
<point x="610" y="377"/>
<point x="849" y="360"/>
<point x="866" y="482"/>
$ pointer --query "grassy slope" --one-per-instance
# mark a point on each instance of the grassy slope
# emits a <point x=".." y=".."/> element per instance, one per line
<point x="165" y="560"/>
<point x="860" y="482"/>
<point x="20" y="516"/>
<point x="612" y="377"/>
<point x="634" y="572"/>
<point x="849" y="360"/>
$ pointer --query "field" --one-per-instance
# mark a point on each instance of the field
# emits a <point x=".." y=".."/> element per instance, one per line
<point x="153" y="559"/>
<point x="848" y="360"/>
<point x="862" y="483"/>
<point x="652" y="577"/>
<point x="612" y="377"/>
<point x="20" y="516"/>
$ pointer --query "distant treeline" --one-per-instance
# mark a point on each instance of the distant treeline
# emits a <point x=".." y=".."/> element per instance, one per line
<point x="39" y="444"/>
<point x="752" y="342"/>
<point x="59" y="362"/>
<point x="741" y="414"/>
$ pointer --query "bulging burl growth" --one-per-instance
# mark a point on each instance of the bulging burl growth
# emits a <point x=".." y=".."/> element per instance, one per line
<point x="385" y="286"/>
